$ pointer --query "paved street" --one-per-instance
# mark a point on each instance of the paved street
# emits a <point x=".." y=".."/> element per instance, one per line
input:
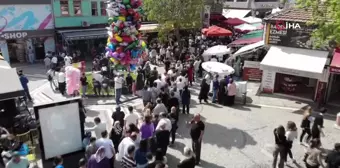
<point x="238" y="137"/>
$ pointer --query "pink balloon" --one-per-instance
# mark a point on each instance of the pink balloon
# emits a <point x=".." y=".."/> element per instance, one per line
<point x="115" y="55"/>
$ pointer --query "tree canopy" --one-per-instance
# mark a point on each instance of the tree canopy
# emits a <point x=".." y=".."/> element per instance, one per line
<point x="326" y="16"/>
<point x="174" y="14"/>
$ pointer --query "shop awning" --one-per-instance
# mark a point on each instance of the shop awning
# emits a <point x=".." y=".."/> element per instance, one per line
<point x="235" y="13"/>
<point x="249" y="38"/>
<point x="215" y="31"/>
<point x="83" y="34"/>
<point x="248" y="48"/>
<point x="148" y="28"/>
<point x="335" y="64"/>
<point x="294" y="61"/>
<point x="11" y="86"/>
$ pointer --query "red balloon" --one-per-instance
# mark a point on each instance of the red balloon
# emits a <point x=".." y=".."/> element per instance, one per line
<point x="121" y="26"/>
<point x="136" y="16"/>
<point x="138" y="25"/>
<point x="123" y="12"/>
<point x="127" y="39"/>
<point x="131" y="11"/>
<point x="119" y="49"/>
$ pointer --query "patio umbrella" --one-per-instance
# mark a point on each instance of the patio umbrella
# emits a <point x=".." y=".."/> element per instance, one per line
<point x="258" y="25"/>
<point x="249" y="38"/>
<point x="234" y="21"/>
<point x="245" y="27"/>
<point x="216" y="50"/>
<point x="252" y="19"/>
<point x="217" y="67"/>
<point x="215" y="31"/>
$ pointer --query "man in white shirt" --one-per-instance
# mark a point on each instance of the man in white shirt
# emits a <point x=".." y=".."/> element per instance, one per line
<point x="119" y="81"/>
<point x="62" y="82"/>
<point x="107" y="143"/>
<point x="124" y="144"/>
<point x="131" y="118"/>
<point x="159" y="82"/>
<point x="98" y="128"/>
<point x="68" y="60"/>
<point x="164" y="119"/>
<point x="159" y="108"/>
<point x="180" y="84"/>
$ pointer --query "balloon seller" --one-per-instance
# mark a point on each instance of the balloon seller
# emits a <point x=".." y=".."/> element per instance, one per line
<point x="124" y="44"/>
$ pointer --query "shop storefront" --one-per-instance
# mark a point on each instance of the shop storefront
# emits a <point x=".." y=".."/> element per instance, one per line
<point x="333" y="93"/>
<point x="27" y="31"/>
<point x="16" y="45"/>
<point x="293" y="66"/>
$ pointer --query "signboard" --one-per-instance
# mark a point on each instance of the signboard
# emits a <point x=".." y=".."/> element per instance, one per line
<point x="290" y="34"/>
<point x="252" y="71"/>
<point x="268" y="81"/>
<point x="11" y="35"/>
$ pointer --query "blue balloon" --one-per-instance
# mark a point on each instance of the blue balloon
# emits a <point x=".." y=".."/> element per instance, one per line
<point x="112" y="47"/>
<point x="132" y="67"/>
<point x="134" y="53"/>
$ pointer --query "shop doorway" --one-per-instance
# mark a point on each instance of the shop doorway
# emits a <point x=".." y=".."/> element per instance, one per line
<point x="334" y="92"/>
<point x="39" y="48"/>
<point x="17" y="51"/>
<point x="295" y="86"/>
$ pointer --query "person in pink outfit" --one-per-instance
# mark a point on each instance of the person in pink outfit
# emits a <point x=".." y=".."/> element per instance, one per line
<point x="231" y="92"/>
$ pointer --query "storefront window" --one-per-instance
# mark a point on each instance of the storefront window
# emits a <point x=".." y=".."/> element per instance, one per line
<point x="77" y="7"/>
<point x="103" y="8"/>
<point x="64" y="7"/>
<point x="266" y="0"/>
<point x="94" y="8"/>
<point x="241" y="0"/>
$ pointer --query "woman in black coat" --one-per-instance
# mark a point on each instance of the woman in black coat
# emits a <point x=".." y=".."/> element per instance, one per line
<point x="203" y="95"/>
<point x="139" y="82"/>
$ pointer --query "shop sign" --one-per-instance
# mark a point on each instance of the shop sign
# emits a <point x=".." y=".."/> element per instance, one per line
<point x="291" y="34"/>
<point x="13" y="35"/>
<point x="334" y="70"/>
<point x="268" y="81"/>
<point x="252" y="71"/>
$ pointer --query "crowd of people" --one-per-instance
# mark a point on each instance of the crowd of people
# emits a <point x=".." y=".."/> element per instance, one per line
<point x="312" y="128"/>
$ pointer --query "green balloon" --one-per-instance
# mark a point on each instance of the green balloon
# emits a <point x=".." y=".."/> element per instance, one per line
<point x="110" y="20"/>
<point x="126" y="2"/>
<point x="128" y="6"/>
<point x="115" y="18"/>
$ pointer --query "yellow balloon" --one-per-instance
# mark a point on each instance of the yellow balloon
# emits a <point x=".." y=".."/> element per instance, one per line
<point x="143" y="44"/>
<point x="119" y="39"/>
<point x="122" y="18"/>
<point x="108" y="40"/>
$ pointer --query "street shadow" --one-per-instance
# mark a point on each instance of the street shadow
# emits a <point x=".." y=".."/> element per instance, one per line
<point x="172" y="160"/>
<point x="213" y="105"/>
<point x="178" y="146"/>
<point x="315" y="111"/>
<point x="240" y="107"/>
<point x="216" y="134"/>
<point x="207" y="164"/>
<point x="92" y="113"/>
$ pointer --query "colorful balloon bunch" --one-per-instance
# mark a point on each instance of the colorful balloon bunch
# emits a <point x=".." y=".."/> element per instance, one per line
<point x="124" y="46"/>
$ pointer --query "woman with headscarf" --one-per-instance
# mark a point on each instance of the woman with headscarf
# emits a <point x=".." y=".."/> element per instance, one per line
<point x="203" y="95"/>
<point x="139" y="82"/>
<point x="116" y="134"/>
<point x="98" y="160"/>
<point x="280" y="146"/>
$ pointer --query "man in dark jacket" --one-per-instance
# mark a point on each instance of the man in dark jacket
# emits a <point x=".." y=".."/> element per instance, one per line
<point x="24" y="83"/>
<point x="163" y="138"/>
<point x="333" y="158"/>
<point x="173" y="101"/>
<point x="118" y="115"/>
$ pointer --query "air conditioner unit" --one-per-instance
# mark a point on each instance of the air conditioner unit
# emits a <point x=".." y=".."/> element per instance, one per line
<point x="85" y="24"/>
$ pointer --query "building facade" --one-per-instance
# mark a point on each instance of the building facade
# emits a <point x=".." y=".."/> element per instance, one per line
<point x="26" y="30"/>
<point x="80" y="25"/>
<point x="257" y="8"/>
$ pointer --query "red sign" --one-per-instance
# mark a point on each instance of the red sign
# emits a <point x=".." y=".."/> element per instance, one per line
<point x="334" y="70"/>
<point x="252" y="74"/>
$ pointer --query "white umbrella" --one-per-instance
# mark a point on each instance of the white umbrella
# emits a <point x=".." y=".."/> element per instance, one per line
<point x="217" y="67"/>
<point x="216" y="50"/>
<point x="252" y="19"/>
<point x="246" y="27"/>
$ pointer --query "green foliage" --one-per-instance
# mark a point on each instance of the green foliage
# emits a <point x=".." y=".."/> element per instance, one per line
<point x="174" y="14"/>
<point x="326" y="16"/>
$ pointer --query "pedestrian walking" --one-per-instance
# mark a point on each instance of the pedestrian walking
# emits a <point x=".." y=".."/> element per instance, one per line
<point x="313" y="156"/>
<point x="84" y="84"/>
<point x="139" y="82"/>
<point x="305" y="125"/>
<point x="118" y="115"/>
<point x="215" y="87"/>
<point x="140" y="154"/>
<point x="189" y="161"/>
<point x="47" y="62"/>
<point x="333" y="157"/>
<point x="116" y="134"/>
<point x="280" y="147"/>
<point x="24" y="83"/>
<point x="186" y="97"/>
<point x="196" y="133"/>
<point x="162" y="137"/>
<point x="147" y="128"/>
<point x="62" y="82"/>
<point x="128" y="160"/>
<point x="173" y="116"/>
<point x="291" y="135"/>
<point x="231" y="92"/>
<point x="204" y="91"/>
<point x="91" y="148"/>
<point x="105" y="142"/>
<point x="119" y="81"/>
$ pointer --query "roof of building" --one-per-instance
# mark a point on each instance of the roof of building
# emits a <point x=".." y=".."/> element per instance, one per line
<point x="291" y="14"/>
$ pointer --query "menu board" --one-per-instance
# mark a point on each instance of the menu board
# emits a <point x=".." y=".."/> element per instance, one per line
<point x="291" y="34"/>
<point x="268" y="81"/>
<point x="252" y="71"/>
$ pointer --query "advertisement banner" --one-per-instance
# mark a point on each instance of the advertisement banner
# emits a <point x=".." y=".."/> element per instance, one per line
<point x="252" y="71"/>
<point x="268" y="81"/>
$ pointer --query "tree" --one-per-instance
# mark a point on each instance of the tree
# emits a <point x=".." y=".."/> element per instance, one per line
<point x="326" y="17"/>
<point x="174" y="15"/>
